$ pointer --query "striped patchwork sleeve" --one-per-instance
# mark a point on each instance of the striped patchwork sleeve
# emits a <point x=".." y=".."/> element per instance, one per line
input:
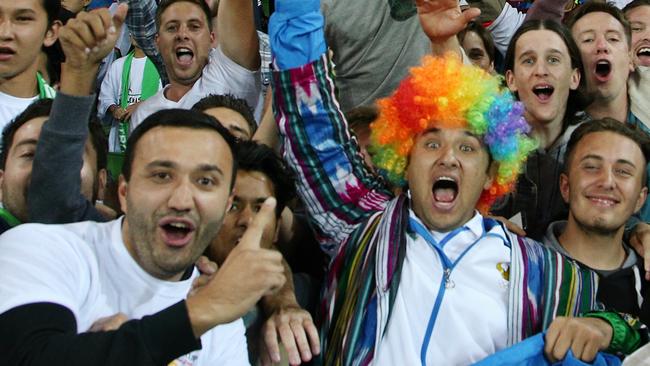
<point x="335" y="185"/>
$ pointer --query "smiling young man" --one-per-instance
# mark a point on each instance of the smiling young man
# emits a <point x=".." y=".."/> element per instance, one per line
<point x="25" y="26"/>
<point x="61" y="282"/>
<point x="184" y="38"/>
<point x="604" y="184"/>
<point x="423" y="278"/>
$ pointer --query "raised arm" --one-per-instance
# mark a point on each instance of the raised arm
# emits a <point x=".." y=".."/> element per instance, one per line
<point x="337" y="189"/>
<point x="55" y="188"/>
<point x="236" y="32"/>
<point x="501" y="19"/>
<point x="441" y="20"/>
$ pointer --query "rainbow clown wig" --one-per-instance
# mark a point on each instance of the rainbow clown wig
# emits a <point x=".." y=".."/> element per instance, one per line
<point x="444" y="93"/>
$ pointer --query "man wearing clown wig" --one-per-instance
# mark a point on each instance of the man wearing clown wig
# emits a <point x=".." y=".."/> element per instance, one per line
<point x="424" y="277"/>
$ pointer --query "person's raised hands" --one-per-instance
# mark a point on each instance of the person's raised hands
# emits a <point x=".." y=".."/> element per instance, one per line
<point x="87" y="38"/>
<point x="443" y="19"/>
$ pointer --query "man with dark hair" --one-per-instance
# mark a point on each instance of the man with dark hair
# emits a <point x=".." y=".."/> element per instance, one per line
<point x="232" y="112"/>
<point x="175" y="189"/>
<point x="604" y="184"/>
<point x="262" y="174"/>
<point x="25" y="26"/>
<point x="35" y="186"/>
<point x="194" y="69"/>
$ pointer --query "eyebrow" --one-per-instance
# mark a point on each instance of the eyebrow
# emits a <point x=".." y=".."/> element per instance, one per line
<point x="257" y="200"/>
<point x="196" y="19"/>
<point x="160" y="164"/>
<point x="616" y="31"/>
<point x="24" y="10"/>
<point x="600" y="158"/>
<point x="171" y="164"/>
<point x="532" y="52"/>
<point x="25" y="142"/>
<point x="210" y="168"/>
<point x="590" y="30"/>
<point x="435" y="130"/>
<point x="200" y="20"/>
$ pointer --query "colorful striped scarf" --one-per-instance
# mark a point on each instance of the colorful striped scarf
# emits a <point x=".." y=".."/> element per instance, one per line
<point x="363" y="280"/>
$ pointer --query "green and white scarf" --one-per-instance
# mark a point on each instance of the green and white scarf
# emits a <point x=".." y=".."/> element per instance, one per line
<point x="45" y="91"/>
<point x="150" y="83"/>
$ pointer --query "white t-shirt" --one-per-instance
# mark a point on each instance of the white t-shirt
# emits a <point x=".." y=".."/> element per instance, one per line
<point x="86" y="268"/>
<point x="111" y="92"/>
<point x="472" y="321"/>
<point x="11" y="106"/>
<point x="504" y="26"/>
<point x="220" y="76"/>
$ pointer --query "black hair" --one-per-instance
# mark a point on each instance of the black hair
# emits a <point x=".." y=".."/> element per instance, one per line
<point x="632" y="132"/>
<point x="181" y="118"/>
<point x="231" y="102"/>
<point x="42" y="108"/>
<point x="255" y="157"/>
<point x="39" y="108"/>
<point x="361" y="117"/>
<point x="164" y="4"/>
<point x="484" y="35"/>
<point x="52" y="8"/>
<point x="635" y="4"/>
<point x="578" y="99"/>
<point x="602" y="7"/>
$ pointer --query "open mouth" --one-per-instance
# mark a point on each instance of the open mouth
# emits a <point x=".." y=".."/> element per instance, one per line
<point x="445" y="190"/>
<point x="643" y="54"/>
<point x="603" y="70"/>
<point x="184" y="56"/>
<point x="6" y="52"/>
<point x="177" y="232"/>
<point x="543" y="92"/>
